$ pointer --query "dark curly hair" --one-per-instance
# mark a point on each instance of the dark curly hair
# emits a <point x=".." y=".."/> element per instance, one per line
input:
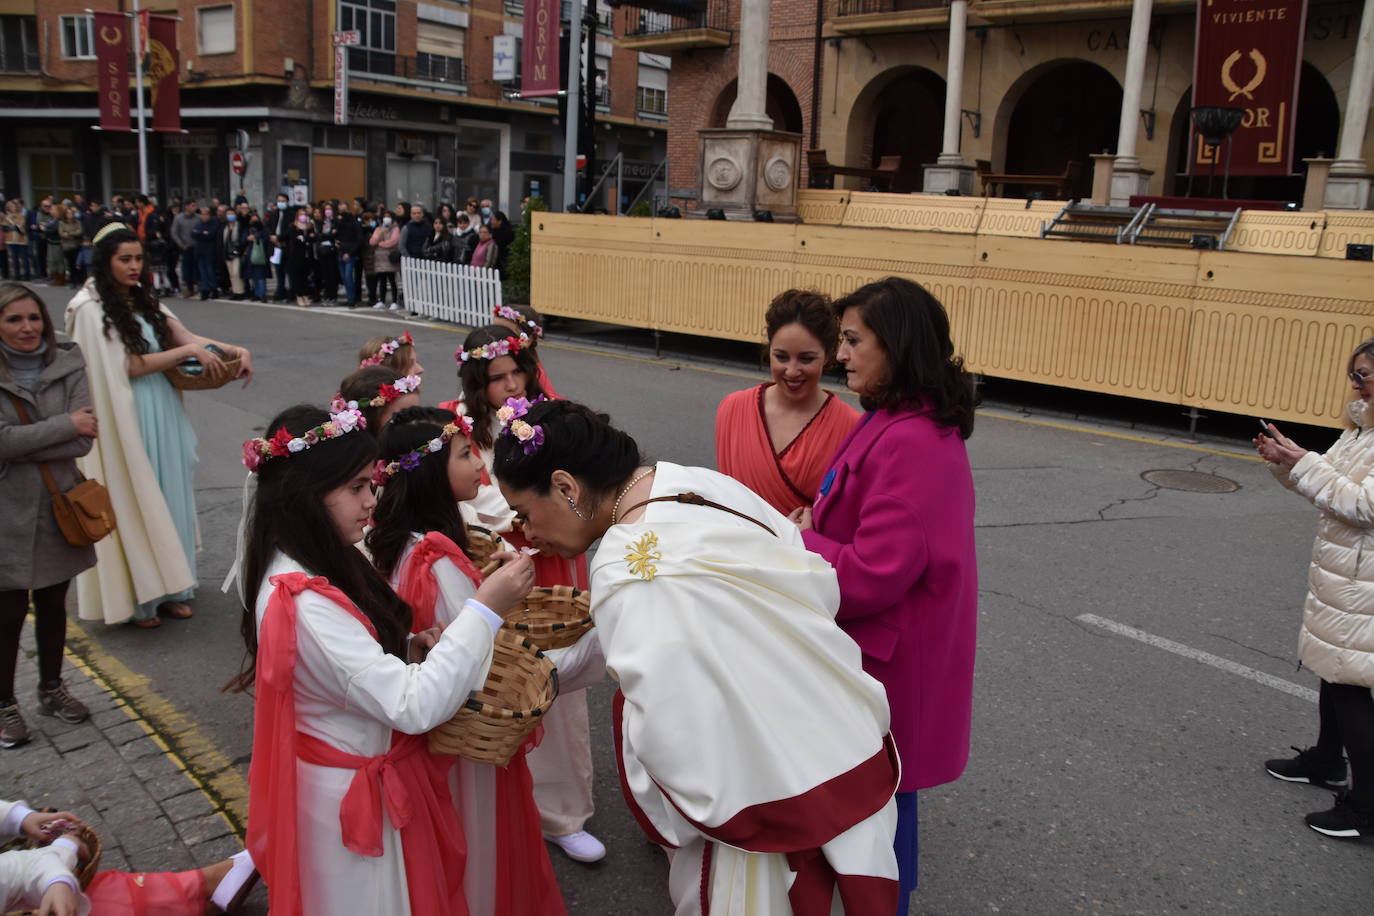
<point x="578" y="440"/>
<point x="472" y="375"/>
<point x="121" y="305"/>
<point x="912" y="328"/>
<point x="811" y="310"/>
<point x="415" y="501"/>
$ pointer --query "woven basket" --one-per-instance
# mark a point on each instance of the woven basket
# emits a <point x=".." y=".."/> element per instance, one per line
<point x="553" y="617"/>
<point x="200" y="381"/>
<point x="495" y="721"/>
<point x="93" y="845"/>
<point x="482" y="543"/>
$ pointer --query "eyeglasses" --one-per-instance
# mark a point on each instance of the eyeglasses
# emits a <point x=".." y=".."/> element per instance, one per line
<point x="1359" y="378"/>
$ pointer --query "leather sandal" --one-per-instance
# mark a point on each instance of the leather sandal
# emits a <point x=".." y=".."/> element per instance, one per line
<point x="175" y="610"/>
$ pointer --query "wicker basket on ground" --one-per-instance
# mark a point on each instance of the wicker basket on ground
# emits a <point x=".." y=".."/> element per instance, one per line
<point x="94" y="847"/>
<point x="553" y="617"/>
<point x="482" y="543"/>
<point x="496" y="720"/>
<point x="190" y="374"/>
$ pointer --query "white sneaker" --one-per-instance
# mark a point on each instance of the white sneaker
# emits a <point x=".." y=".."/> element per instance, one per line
<point x="378" y="305"/>
<point x="580" y="846"/>
<point x="395" y="307"/>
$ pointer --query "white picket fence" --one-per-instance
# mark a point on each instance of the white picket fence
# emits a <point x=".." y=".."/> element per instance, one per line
<point x="451" y="292"/>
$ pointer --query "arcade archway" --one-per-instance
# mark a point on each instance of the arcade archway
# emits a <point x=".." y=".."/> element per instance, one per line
<point x="1056" y="114"/>
<point x="780" y="104"/>
<point x="899" y="112"/>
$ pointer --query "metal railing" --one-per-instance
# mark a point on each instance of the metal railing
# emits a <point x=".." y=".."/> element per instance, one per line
<point x="861" y="7"/>
<point x="714" y="16"/>
<point x="437" y="68"/>
<point x="603" y="97"/>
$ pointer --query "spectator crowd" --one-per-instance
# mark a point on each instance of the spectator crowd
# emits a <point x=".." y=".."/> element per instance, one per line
<point x="328" y="253"/>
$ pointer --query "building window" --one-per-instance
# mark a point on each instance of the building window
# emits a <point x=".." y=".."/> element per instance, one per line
<point x="215" y="29"/>
<point x="19" y="44"/>
<point x="651" y="101"/>
<point x="440" y="52"/>
<point x="78" y="36"/>
<point x="375" y="21"/>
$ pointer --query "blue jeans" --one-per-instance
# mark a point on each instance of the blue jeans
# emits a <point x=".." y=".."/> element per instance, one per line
<point x="205" y="270"/>
<point x="346" y="272"/>
<point x="19" y="261"/>
<point x="259" y="287"/>
<point x="188" y="268"/>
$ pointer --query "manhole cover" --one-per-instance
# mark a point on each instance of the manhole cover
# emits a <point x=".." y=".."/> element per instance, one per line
<point x="1190" y="481"/>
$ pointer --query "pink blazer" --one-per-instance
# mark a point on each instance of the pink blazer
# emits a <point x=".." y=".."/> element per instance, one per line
<point x="895" y="518"/>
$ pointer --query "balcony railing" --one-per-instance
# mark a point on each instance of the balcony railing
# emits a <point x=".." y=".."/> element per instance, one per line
<point x="862" y="7"/>
<point x="714" y="16"/>
<point x="603" y="97"/>
<point x="433" y="68"/>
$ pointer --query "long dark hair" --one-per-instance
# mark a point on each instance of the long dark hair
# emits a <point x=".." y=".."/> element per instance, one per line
<point x="912" y="328"/>
<point x="420" y="500"/>
<point x="122" y="304"/>
<point x="11" y="293"/>
<point x="288" y="515"/>
<point x="363" y="386"/>
<point x="473" y="377"/>
<point x="578" y="440"/>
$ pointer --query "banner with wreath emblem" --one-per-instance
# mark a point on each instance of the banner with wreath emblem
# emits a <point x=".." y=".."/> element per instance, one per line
<point x="1249" y="56"/>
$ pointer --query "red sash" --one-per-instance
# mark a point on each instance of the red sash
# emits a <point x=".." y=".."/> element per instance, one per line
<point x="525" y="883"/>
<point x="412" y="787"/>
<point x="418" y="586"/>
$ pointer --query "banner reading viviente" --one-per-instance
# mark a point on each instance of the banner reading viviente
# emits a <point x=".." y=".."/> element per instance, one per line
<point x="112" y="67"/>
<point x="160" y="69"/>
<point x="539" y="65"/>
<point x="1249" y="55"/>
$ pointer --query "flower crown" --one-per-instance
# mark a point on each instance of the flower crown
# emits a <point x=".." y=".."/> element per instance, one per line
<point x="283" y="445"/>
<point x="385" y="395"/>
<point x="385" y="470"/>
<point x="506" y="346"/>
<point x="386" y="349"/>
<point x="512" y="423"/>
<point x="510" y="314"/>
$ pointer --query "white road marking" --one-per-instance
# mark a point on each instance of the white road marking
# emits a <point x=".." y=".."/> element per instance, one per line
<point x="1197" y="655"/>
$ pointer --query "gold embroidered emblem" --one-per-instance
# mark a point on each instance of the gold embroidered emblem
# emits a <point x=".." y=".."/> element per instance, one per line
<point x="642" y="555"/>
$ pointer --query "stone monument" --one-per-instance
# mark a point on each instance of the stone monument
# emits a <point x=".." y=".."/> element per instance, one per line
<point x="747" y="165"/>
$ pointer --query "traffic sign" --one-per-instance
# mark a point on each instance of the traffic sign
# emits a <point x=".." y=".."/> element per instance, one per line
<point x="238" y="163"/>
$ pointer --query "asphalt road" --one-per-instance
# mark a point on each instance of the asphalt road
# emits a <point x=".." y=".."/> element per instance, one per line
<point x="1134" y="645"/>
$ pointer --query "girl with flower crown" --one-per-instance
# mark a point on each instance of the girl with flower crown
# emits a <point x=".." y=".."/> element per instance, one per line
<point x="348" y="812"/>
<point x="379" y="394"/>
<point x="495" y="367"/>
<point x="419" y="542"/>
<point x="523" y="319"/>
<point x="392" y="352"/>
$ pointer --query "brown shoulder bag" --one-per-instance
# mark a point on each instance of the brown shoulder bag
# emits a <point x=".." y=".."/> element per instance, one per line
<point x="84" y="513"/>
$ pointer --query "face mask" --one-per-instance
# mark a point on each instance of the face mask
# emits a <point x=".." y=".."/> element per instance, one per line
<point x="303" y="222"/>
<point x="329" y="214"/>
<point x="486" y="211"/>
<point x="386" y="221"/>
<point x="233" y="218"/>
<point x="281" y="205"/>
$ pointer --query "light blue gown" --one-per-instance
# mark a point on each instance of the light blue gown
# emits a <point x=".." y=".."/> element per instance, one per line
<point x="170" y="443"/>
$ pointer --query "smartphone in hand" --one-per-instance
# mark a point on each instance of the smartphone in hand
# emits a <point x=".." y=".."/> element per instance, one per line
<point x="1264" y="428"/>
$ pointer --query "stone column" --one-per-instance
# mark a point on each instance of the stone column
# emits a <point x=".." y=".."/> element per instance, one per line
<point x="1128" y="178"/>
<point x="750" y="111"/>
<point x="950" y="172"/>
<point x="1349" y="187"/>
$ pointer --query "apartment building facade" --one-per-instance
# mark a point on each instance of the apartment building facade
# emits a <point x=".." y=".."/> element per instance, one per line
<point x="428" y="119"/>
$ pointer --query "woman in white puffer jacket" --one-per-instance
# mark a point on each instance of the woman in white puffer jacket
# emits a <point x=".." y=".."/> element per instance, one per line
<point x="1337" y="639"/>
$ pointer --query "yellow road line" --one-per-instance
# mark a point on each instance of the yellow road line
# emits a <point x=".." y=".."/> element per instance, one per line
<point x="217" y="778"/>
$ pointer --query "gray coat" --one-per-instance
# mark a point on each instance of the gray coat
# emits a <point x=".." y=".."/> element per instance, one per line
<point x="35" y="553"/>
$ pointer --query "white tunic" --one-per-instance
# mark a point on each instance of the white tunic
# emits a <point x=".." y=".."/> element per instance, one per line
<point x="350" y="694"/>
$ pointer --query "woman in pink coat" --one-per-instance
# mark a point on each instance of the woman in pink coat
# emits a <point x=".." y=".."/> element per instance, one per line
<point x="895" y="518"/>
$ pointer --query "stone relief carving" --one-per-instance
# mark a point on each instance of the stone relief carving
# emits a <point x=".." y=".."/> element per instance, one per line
<point x="724" y="173"/>
<point x="777" y="173"/>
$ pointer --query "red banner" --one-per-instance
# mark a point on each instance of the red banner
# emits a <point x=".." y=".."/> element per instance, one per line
<point x="160" y="70"/>
<point x="539" y="67"/>
<point x="112" y="65"/>
<point x="1249" y="55"/>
